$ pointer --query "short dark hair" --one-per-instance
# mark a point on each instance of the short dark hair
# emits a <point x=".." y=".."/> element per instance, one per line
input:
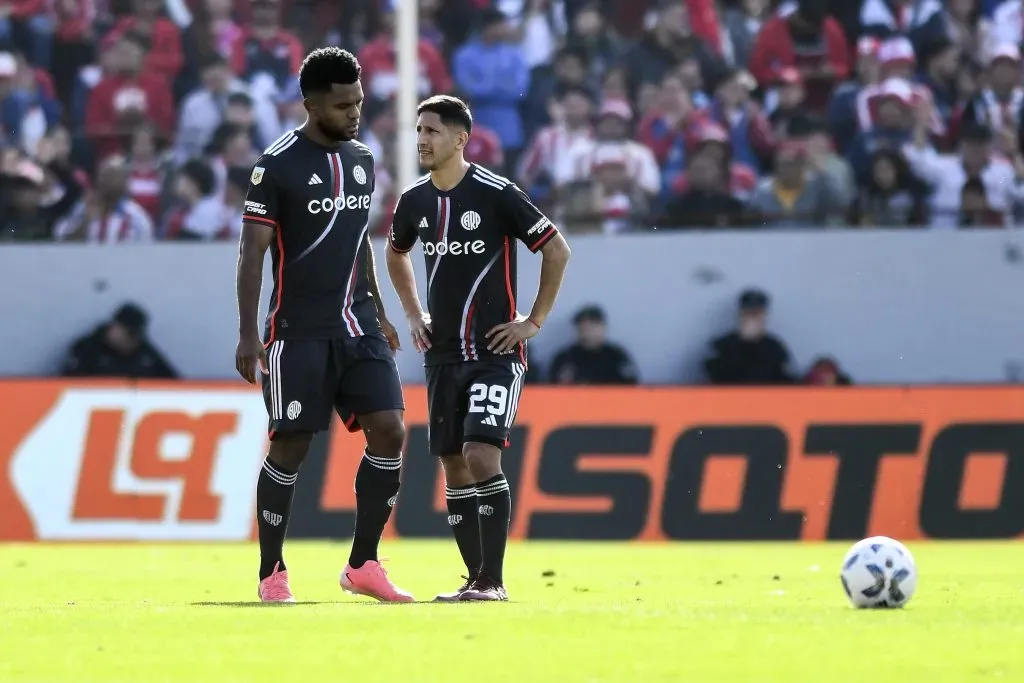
<point x="564" y="91"/>
<point x="452" y="110"/>
<point x="325" y="66"/>
<point x="200" y="173"/>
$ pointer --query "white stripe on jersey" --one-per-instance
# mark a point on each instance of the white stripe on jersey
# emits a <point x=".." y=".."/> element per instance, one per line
<point x="468" y="345"/>
<point x="493" y="177"/>
<point x="280" y="141"/>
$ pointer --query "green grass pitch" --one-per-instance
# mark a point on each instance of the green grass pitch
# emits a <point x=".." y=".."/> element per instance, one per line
<point x="629" y="613"/>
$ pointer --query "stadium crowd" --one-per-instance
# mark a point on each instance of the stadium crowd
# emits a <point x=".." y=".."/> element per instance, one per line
<point x="137" y="120"/>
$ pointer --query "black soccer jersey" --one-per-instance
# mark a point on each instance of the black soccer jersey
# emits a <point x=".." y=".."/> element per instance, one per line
<point x="468" y="236"/>
<point x="317" y="199"/>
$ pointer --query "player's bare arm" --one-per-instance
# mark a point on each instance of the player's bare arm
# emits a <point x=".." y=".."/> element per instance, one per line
<point x="252" y="246"/>
<point x="403" y="278"/>
<point x="390" y="333"/>
<point x="505" y="337"/>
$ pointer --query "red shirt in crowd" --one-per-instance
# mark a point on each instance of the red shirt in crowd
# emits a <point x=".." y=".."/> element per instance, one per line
<point x="280" y="56"/>
<point x="74" y="19"/>
<point x="378" y="61"/>
<point x="164" y="57"/>
<point x="774" y="50"/>
<point x="114" y="96"/>
<point x="484" y="147"/>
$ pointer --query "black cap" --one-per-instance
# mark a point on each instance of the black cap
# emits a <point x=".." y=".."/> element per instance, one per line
<point x="753" y="300"/>
<point x="133" y="318"/>
<point x="592" y="312"/>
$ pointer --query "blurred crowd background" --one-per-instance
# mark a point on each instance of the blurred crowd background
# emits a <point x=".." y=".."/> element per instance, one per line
<point x="136" y="120"/>
<point x="128" y="121"/>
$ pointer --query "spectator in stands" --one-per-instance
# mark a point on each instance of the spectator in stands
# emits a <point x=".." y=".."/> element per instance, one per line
<point x="210" y="38"/>
<point x="222" y="97"/>
<point x="163" y="39"/>
<point x="231" y="147"/>
<point x="118" y="348"/>
<point x="1005" y="28"/>
<point x="147" y="170"/>
<point x="540" y="27"/>
<point x="742" y="25"/>
<point x="750" y="133"/>
<point x="107" y="215"/>
<point x="592" y="359"/>
<point x="27" y="101"/>
<point x="668" y="128"/>
<point x="265" y="55"/>
<point x="706" y="201"/>
<point x="998" y="106"/>
<point x="484" y="147"/>
<point x="749" y="355"/>
<point x="891" y="195"/>
<point x="491" y="71"/>
<point x="380" y="68"/>
<point x="809" y="40"/>
<point x="975" y="210"/>
<point x="596" y="42"/>
<point x="826" y="372"/>
<point x="546" y="82"/>
<point x="28" y="25"/>
<point x="198" y="211"/>
<point x="125" y="98"/>
<point x="954" y="20"/>
<point x="627" y="171"/>
<point x="848" y="98"/>
<point x="946" y="173"/>
<point x="796" y="195"/>
<point x="668" y="43"/>
<point x="24" y="215"/>
<point x="573" y="116"/>
<point x="887" y="18"/>
<point x="822" y="157"/>
<point x="788" y="102"/>
<point x="940" y="59"/>
<point x="712" y="139"/>
<point x="893" y="124"/>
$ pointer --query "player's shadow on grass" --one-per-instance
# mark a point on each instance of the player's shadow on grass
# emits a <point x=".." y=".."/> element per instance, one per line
<point x="256" y="603"/>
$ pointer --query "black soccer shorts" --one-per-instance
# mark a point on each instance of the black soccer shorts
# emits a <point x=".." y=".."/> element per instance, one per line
<point x="309" y="378"/>
<point x="472" y="401"/>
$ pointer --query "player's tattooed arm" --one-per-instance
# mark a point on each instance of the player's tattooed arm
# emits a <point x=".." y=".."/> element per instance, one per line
<point x="390" y="333"/>
<point x="505" y="337"/>
<point x="252" y="246"/>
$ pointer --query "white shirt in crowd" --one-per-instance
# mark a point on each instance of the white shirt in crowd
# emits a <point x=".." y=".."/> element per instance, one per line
<point x="586" y="154"/>
<point x="946" y="176"/>
<point x="128" y="223"/>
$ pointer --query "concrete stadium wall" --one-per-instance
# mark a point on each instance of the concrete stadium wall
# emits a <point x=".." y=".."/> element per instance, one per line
<point x="893" y="307"/>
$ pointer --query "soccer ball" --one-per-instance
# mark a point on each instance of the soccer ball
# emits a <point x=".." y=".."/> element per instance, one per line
<point x="879" y="572"/>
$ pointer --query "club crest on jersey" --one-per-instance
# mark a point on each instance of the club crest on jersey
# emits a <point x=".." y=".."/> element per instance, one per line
<point x="359" y="174"/>
<point x="470" y="220"/>
<point x="257" y="175"/>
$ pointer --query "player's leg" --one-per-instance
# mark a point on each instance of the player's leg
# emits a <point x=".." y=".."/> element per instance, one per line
<point x="294" y="393"/>
<point x="446" y="405"/>
<point x="370" y="388"/>
<point x="493" y="399"/>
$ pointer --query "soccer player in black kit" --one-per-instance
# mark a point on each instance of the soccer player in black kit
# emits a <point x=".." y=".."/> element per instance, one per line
<point x="473" y="338"/>
<point x="327" y="343"/>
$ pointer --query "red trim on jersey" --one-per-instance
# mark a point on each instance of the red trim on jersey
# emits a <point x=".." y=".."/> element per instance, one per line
<point x="543" y="240"/>
<point x="466" y="337"/>
<point x="257" y="219"/>
<point x="352" y="423"/>
<point x="270" y="435"/>
<point x="511" y="296"/>
<point x="391" y="245"/>
<point x="280" y="287"/>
